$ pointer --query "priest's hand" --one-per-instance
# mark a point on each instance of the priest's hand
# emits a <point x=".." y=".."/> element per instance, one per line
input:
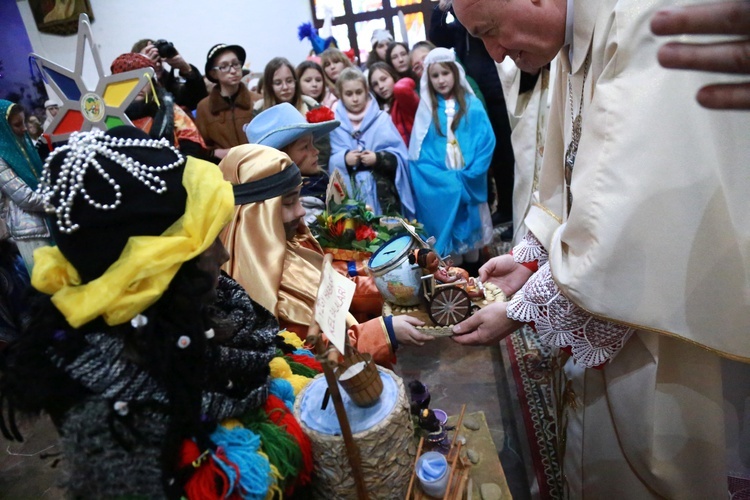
<point x="406" y="334"/>
<point x="506" y="273"/>
<point x="487" y="326"/>
<point x="725" y="56"/>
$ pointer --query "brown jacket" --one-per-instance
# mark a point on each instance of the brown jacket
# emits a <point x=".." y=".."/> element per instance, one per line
<point x="220" y="123"/>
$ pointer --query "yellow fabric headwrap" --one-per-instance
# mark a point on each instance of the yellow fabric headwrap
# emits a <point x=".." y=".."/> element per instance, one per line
<point x="280" y="275"/>
<point x="147" y="264"/>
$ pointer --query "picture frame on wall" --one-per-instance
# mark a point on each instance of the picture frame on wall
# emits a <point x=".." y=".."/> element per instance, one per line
<point x="59" y="17"/>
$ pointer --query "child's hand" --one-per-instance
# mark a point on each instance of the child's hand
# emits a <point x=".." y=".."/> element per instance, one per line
<point x="368" y="158"/>
<point x="352" y="158"/>
<point x="403" y="327"/>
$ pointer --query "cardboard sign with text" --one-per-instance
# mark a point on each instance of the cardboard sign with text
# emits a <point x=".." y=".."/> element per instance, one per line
<point x="334" y="297"/>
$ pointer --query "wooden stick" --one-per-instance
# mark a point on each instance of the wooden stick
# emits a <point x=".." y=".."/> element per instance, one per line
<point x="414" y="469"/>
<point x="352" y="450"/>
<point x="458" y="425"/>
<point x="453" y="469"/>
<point x="459" y="493"/>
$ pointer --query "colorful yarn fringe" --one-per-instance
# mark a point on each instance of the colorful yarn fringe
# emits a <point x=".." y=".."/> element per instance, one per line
<point x="265" y="453"/>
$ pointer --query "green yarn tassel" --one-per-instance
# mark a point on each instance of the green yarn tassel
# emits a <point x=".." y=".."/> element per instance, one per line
<point x="300" y="369"/>
<point x="282" y="449"/>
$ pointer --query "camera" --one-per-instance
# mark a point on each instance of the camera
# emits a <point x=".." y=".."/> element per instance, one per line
<point x="166" y="49"/>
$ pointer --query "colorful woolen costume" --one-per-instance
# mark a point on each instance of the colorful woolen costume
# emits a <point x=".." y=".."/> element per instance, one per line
<point x="144" y="356"/>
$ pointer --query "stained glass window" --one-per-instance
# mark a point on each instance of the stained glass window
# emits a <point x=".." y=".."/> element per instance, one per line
<point x="353" y="21"/>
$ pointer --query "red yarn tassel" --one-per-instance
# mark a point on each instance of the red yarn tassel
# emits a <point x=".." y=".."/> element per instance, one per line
<point x="208" y="481"/>
<point x="307" y="361"/>
<point x="279" y="414"/>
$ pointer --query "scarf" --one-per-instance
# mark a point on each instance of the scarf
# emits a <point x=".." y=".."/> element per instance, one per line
<point x="18" y="153"/>
<point x="356" y="118"/>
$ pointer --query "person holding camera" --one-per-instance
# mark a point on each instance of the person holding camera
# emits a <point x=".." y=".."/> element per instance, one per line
<point x="182" y="80"/>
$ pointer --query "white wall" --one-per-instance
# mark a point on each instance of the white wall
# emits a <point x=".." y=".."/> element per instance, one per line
<point x="265" y="28"/>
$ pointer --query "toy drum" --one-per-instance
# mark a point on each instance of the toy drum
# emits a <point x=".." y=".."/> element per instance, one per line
<point x="398" y="281"/>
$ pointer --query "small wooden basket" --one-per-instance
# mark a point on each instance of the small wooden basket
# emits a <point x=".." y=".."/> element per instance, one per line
<point x="364" y="387"/>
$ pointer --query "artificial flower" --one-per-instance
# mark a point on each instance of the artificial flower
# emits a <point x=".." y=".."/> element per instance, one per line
<point x="320" y="114"/>
<point x="365" y="233"/>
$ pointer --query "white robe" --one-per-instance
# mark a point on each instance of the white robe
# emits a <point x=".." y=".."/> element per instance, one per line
<point x="658" y="239"/>
<point x="527" y="113"/>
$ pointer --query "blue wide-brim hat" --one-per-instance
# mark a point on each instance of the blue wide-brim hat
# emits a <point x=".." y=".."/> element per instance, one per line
<point x="281" y="125"/>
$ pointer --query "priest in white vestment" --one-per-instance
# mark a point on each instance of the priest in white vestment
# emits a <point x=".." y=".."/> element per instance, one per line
<point x="637" y="259"/>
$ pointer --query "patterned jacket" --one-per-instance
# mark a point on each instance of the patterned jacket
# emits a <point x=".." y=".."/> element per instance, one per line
<point x="21" y="207"/>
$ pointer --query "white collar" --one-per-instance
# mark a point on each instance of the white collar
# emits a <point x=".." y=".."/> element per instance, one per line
<point x="569" y="28"/>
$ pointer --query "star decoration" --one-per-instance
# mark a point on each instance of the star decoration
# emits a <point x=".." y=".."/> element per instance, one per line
<point x="82" y="108"/>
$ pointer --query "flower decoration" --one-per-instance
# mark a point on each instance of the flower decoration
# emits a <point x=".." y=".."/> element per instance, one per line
<point x="347" y="224"/>
<point x="320" y="114"/>
<point x="350" y="225"/>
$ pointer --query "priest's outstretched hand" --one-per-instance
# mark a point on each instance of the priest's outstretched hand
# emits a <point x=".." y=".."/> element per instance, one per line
<point x="487" y="326"/>
<point x="504" y="272"/>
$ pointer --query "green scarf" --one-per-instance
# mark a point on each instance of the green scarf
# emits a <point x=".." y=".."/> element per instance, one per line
<point x="18" y="153"/>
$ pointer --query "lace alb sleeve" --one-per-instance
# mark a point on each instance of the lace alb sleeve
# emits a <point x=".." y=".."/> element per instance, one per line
<point x="529" y="250"/>
<point x="561" y="323"/>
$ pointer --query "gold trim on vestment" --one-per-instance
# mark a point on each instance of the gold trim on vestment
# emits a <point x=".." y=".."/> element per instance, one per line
<point x="547" y="211"/>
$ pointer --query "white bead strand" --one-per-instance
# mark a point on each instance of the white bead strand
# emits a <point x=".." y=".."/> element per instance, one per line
<point x="82" y="150"/>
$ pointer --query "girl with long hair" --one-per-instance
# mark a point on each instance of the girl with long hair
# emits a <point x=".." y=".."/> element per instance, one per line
<point x="313" y="83"/>
<point x="397" y="55"/>
<point x="280" y="84"/>
<point x="395" y="96"/>
<point x="368" y="150"/>
<point x="450" y="151"/>
<point x="334" y="62"/>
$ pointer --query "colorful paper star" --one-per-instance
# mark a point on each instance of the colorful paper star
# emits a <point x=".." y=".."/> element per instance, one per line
<point x="82" y="108"/>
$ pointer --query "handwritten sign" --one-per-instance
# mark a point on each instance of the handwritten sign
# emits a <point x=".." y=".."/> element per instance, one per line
<point x="334" y="297"/>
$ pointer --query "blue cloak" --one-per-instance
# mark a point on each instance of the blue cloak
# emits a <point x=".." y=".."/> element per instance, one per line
<point x="448" y="200"/>
<point x="376" y="133"/>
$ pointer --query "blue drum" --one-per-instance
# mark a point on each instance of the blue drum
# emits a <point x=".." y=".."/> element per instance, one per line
<point x="399" y="282"/>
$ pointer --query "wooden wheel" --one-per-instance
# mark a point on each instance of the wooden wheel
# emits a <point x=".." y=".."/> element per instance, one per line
<point x="449" y="306"/>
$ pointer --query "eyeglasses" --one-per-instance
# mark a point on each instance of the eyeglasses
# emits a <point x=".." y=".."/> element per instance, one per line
<point x="225" y="68"/>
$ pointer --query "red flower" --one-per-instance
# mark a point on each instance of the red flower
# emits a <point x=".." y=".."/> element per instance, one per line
<point x="337" y="228"/>
<point x="351" y="55"/>
<point x="320" y="114"/>
<point x="365" y="233"/>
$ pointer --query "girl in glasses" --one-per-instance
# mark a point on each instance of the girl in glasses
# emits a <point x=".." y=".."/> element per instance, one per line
<point x="229" y="106"/>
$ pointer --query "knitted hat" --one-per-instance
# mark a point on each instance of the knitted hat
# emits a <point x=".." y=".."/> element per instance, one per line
<point x="92" y="237"/>
<point x="130" y="61"/>
<point x="380" y="36"/>
<point x="216" y="51"/>
<point x="127" y="211"/>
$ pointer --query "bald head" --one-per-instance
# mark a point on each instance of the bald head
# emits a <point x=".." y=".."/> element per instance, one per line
<point x="531" y="32"/>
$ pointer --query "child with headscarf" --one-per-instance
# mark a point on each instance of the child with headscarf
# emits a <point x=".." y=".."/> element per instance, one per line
<point x="368" y="150"/>
<point x="155" y="112"/>
<point x="450" y="152"/>
<point x="20" y="169"/>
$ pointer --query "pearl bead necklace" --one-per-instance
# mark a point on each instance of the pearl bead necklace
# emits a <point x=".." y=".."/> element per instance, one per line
<point x="82" y="150"/>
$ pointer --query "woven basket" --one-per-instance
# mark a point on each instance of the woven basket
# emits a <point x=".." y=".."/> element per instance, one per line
<point x="386" y="450"/>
